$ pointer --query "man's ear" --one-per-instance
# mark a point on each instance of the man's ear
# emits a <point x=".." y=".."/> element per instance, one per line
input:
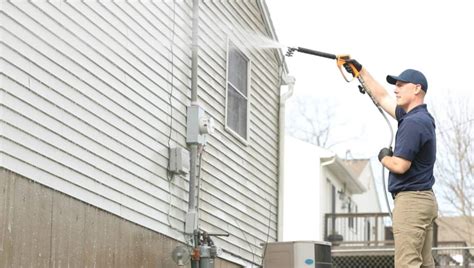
<point x="418" y="89"/>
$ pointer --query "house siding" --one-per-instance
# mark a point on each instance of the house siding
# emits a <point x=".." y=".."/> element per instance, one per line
<point x="239" y="188"/>
<point x="93" y="94"/>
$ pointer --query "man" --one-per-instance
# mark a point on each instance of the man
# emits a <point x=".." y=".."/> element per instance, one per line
<point x="410" y="164"/>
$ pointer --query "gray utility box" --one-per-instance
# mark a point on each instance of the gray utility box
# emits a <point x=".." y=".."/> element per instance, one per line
<point x="179" y="161"/>
<point x="298" y="254"/>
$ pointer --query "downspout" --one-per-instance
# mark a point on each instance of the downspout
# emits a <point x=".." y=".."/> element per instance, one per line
<point x="290" y="82"/>
<point x="326" y="162"/>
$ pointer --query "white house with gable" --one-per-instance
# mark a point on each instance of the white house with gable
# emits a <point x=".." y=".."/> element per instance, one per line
<point x="318" y="182"/>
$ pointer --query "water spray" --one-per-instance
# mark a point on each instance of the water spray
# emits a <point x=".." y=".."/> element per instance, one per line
<point x="341" y="60"/>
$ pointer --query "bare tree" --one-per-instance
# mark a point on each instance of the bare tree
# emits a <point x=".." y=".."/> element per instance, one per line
<point x="454" y="169"/>
<point x="310" y="120"/>
<point x="315" y="120"/>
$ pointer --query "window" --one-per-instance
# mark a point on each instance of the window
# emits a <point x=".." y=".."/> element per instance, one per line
<point x="237" y="92"/>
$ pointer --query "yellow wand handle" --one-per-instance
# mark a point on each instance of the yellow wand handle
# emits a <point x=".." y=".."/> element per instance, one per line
<point x="340" y="61"/>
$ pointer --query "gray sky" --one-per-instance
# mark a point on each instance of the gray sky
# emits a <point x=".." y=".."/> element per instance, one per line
<point x="387" y="37"/>
<point x="435" y="37"/>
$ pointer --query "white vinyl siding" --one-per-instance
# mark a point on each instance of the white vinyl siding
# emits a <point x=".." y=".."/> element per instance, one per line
<point x="93" y="92"/>
<point x="240" y="182"/>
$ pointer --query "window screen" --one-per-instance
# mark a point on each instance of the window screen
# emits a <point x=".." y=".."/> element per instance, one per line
<point x="237" y="91"/>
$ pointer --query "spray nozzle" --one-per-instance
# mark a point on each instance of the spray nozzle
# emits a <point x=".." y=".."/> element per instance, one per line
<point x="290" y="51"/>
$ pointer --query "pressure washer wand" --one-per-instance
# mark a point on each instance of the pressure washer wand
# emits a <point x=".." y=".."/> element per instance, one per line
<point x="292" y="50"/>
<point x="340" y="59"/>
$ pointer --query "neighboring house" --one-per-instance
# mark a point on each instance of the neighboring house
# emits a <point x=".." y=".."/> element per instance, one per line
<point x="455" y="230"/>
<point x="457" y="233"/>
<point x="369" y="201"/>
<point x="368" y="223"/>
<point x="317" y="183"/>
<point x="93" y="96"/>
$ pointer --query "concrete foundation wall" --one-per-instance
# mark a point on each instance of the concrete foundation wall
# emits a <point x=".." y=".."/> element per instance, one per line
<point x="41" y="227"/>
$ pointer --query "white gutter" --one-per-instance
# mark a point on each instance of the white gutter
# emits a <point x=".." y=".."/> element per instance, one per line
<point x="290" y="82"/>
<point x="327" y="160"/>
<point x="346" y="176"/>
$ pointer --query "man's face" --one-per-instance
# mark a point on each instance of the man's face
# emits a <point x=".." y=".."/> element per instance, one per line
<point x="404" y="92"/>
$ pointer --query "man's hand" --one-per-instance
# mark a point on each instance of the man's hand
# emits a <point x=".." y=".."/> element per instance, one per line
<point x="353" y="62"/>
<point x="385" y="152"/>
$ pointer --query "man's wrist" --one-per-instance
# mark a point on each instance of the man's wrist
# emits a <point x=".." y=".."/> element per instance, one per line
<point x="385" y="152"/>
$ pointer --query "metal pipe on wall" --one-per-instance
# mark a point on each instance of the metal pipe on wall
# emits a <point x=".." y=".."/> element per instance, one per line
<point x="194" y="146"/>
<point x="195" y="50"/>
<point x="194" y="96"/>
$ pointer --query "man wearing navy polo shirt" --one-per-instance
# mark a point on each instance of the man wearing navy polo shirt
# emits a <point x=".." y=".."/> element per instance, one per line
<point x="411" y="164"/>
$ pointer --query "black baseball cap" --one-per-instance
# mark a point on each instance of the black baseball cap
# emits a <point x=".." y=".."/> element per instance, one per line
<point x="409" y="76"/>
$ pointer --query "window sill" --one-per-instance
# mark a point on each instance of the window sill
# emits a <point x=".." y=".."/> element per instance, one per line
<point x="237" y="136"/>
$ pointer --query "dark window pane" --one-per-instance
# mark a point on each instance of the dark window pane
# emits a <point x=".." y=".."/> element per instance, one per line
<point x="238" y="69"/>
<point x="237" y="112"/>
<point x="237" y="99"/>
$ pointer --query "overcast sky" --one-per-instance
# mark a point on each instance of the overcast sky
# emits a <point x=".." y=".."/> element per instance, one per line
<point x="435" y="37"/>
<point x="387" y="37"/>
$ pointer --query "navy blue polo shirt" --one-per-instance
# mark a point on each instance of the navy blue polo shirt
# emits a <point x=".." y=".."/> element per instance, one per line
<point x="416" y="142"/>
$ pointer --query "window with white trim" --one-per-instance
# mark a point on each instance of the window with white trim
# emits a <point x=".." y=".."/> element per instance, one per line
<point x="237" y="93"/>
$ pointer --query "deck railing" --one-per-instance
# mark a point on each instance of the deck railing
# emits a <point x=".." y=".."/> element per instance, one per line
<point x="358" y="229"/>
<point x="361" y="230"/>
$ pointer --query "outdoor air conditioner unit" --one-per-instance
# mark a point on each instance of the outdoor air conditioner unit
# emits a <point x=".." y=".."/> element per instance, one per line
<point x="297" y="254"/>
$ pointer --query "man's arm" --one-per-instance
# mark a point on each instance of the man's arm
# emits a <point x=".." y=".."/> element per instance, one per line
<point x="379" y="93"/>
<point x="396" y="164"/>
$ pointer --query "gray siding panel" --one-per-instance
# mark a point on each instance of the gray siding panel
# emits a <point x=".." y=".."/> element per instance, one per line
<point x="240" y="182"/>
<point x="93" y="93"/>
